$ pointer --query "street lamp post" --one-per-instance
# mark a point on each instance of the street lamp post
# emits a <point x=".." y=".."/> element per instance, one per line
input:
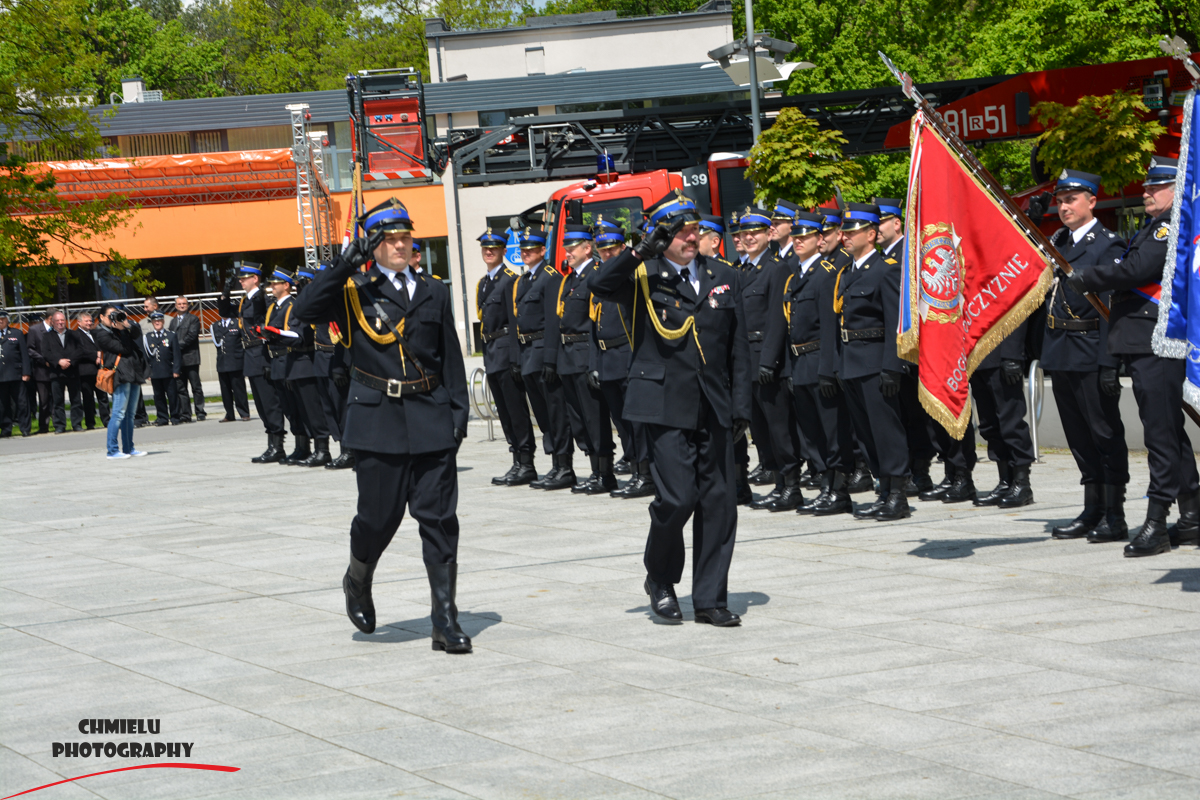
<point x="755" y="118"/>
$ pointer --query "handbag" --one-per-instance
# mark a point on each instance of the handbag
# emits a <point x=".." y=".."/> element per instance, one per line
<point x="105" y="377"/>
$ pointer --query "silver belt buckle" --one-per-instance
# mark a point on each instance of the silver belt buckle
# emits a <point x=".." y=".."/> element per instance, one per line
<point x="845" y="338"/>
<point x="393" y="388"/>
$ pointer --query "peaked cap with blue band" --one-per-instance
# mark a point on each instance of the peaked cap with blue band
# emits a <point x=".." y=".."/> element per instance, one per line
<point x="832" y="218"/>
<point x="531" y="237"/>
<point x="754" y="218"/>
<point x="489" y="238"/>
<point x="670" y="208"/>
<point x="733" y="224"/>
<point x="391" y="216"/>
<point x="710" y="223"/>
<point x="304" y="273"/>
<point x="784" y="210"/>
<point x="860" y="215"/>
<point x="1073" y="180"/>
<point x="577" y="233"/>
<point x="250" y="268"/>
<point x="806" y="223"/>
<point x="608" y="233"/>
<point x="283" y="276"/>
<point x="416" y="248"/>
<point x="889" y="207"/>
<point x="1161" y="170"/>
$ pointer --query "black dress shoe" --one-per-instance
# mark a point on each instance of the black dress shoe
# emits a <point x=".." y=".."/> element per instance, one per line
<point x="993" y="497"/>
<point x="765" y="500"/>
<point x="960" y="490"/>
<point x="1153" y="537"/>
<point x="525" y="473"/>
<point x="447" y="636"/>
<point x="1113" y="528"/>
<point x="860" y="480"/>
<point x="718" y="617"/>
<point x="663" y="601"/>
<point x="356" y="585"/>
<point x="225" y="419"/>
<point x="1088" y="519"/>
<point x="503" y="480"/>
<point x="756" y="474"/>
<point x="623" y="467"/>
<point x="869" y="511"/>
<point x="896" y="507"/>
<point x="1020" y="493"/>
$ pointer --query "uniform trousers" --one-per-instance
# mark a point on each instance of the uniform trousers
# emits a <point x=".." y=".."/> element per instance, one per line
<point x="921" y="445"/>
<point x="879" y="426"/>
<point x="614" y="397"/>
<point x="306" y="396"/>
<point x="1092" y="423"/>
<point x="509" y="398"/>
<point x="14" y="408"/>
<point x="592" y="410"/>
<point x="267" y="403"/>
<point x="333" y="403"/>
<point x="94" y="399"/>
<point x="289" y="404"/>
<point x="1158" y="389"/>
<point x="1001" y="410"/>
<point x="825" y="431"/>
<point x="68" y="385"/>
<point x="773" y="401"/>
<point x="233" y="394"/>
<point x="48" y="411"/>
<point x="140" y="417"/>
<point x="426" y="484"/>
<point x="189" y="374"/>
<point x="166" y="402"/>
<point x="550" y="409"/>
<point x="959" y="452"/>
<point x="693" y="471"/>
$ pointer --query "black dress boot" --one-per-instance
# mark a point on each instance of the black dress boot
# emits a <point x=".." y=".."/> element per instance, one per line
<point x="992" y="498"/>
<point x="810" y="504"/>
<point x="961" y="489"/>
<point x="555" y="470"/>
<point x="1020" y="493"/>
<point x="789" y="498"/>
<point x="525" y="473"/>
<point x="1187" y="529"/>
<point x="641" y="484"/>
<point x="606" y="479"/>
<point x="1113" y="527"/>
<point x="1089" y="518"/>
<point x="320" y="456"/>
<point x="811" y="479"/>
<point x="765" y="500"/>
<point x="1153" y="538"/>
<point x="584" y="487"/>
<point x="756" y="476"/>
<point x="919" y="481"/>
<point x="443" y="585"/>
<point x="345" y="459"/>
<point x="356" y="585"/>
<point x="301" y="452"/>
<point x="860" y="480"/>
<point x="867" y="511"/>
<point x="938" y="492"/>
<point x="745" y="495"/>
<point x="896" y="506"/>
<point x="503" y="480"/>
<point x="274" y="452"/>
<point x="623" y="467"/>
<point x="566" y="475"/>
<point x="837" y="501"/>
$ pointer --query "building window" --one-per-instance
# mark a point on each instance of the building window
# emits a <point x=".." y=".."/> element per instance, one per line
<point x="265" y="138"/>
<point x="154" y="144"/>
<point x="535" y="60"/>
<point x="208" y="142"/>
<point x="490" y="120"/>
<point x="584" y="108"/>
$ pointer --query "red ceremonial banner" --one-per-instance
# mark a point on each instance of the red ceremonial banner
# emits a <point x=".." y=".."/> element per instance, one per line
<point x="971" y="276"/>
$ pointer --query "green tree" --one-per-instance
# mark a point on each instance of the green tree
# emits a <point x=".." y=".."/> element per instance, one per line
<point x="798" y="161"/>
<point x="1108" y="136"/>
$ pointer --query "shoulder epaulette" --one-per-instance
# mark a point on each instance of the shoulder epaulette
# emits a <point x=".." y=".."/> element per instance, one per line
<point x="890" y="260"/>
<point x="827" y="264"/>
<point x="551" y="270"/>
<point x="508" y="271"/>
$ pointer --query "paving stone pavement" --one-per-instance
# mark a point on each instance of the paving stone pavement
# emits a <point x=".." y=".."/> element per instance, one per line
<point x="961" y="653"/>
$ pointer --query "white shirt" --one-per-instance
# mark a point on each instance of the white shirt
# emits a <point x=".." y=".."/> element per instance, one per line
<point x="403" y="280"/>
<point x="688" y="272"/>
<point x="492" y="273"/>
<point x="584" y="266"/>
<point x="807" y="265"/>
<point x="251" y="293"/>
<point x="784" y="250"/>
<point x="756" y="259"/>
<point x="279" y="300"/>
<point x="858" y="263"/>
<point x="887" y="251"/>
<point x="1078" y="234"/>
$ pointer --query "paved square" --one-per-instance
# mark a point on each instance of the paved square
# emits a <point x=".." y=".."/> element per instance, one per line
<point x="961" y="653"/>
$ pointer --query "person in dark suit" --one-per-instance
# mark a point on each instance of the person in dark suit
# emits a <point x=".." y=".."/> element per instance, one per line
<point x="492" y="297"/>
<point x="39" y="393"/>
<point x="1157" y="381"/>
<point x="867" y="297"/>
<point x="407" y="413"/>
<point x="250" y="311"/>
<point x="186" y="327"/>
<point x="162" y="353"/>
<point x="331" y="363"/>
<point x="60" y="350"/>
<point x="689" y="384"/>
<point x="534" y="304"/>
<point x="301" y="376"/>
<point x="14" y="376"/>
<point x="228" y="342"/>
<point x="278" y="318"/>
<point x="568" y="348"/>
<point x="88" y="359"/>
<point x="1075" y="355"/>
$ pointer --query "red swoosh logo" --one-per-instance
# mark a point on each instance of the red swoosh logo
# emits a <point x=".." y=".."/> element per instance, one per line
<point x="214" y="767"/>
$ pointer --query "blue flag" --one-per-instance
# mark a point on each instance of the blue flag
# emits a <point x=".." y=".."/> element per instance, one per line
<point x="1177" y="334"/>
<point x="512" y="253"/>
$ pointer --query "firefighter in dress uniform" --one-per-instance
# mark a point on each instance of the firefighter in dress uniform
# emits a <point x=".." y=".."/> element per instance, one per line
<point x="332" y="365"/>
<point x="277" y="317"/>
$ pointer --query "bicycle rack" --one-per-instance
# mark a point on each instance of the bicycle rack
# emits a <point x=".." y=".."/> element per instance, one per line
<point x="481" y="400"/>
<point x="1035" y="396"/>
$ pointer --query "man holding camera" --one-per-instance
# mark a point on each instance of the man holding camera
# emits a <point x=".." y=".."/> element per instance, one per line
<point x="121" y="350"/>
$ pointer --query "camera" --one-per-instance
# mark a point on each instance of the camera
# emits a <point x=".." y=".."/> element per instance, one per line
<point x="117" y="316"/>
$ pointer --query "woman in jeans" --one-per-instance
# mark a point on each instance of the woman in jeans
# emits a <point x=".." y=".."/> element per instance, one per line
<point x="116" y="337"/>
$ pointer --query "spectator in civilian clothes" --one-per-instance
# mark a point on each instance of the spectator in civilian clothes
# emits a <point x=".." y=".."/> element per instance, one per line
<point x="88" y="360"/>
<point x="186" y="327"/>
<point x="121" y="349"/>
<point x="60" y="349"/>
<point x="39" y="375"/>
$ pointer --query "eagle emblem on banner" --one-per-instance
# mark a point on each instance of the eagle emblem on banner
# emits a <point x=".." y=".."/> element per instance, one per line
<point x="942" y="273"/>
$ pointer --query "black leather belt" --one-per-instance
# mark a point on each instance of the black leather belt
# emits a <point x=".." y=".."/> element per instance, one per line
<point x="608" y="344"/>
<point x="862" y="334"/>
<point x="395" y="388"/>
<point x="325" y="348"/>
<point x="1060" y="324"/>
<point x="526" y="338"/>
<point x="572" y="338"/>
<point x="756" y="336"/>
<point x="494" y="335"/>
<point x="807" y="347"/>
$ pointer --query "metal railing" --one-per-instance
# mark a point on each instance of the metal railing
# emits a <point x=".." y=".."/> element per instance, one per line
<point x="1035" y="396"/>
<point x="203" y="305"/>
<point x="481" y="400"/>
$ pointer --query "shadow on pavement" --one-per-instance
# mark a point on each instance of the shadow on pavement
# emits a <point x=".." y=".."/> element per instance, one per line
<point x="1188" y="579"/>
<point x="411" y="630"/>
<point x="963" y="548"/>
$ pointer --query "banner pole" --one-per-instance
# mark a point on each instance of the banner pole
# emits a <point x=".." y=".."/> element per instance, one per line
<point x="960" y="148"/>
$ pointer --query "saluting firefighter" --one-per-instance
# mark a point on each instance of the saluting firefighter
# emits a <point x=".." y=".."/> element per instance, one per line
<point x="804" y="341"/>
<point x="500" y="354"/>
<point x="568" y="350"/>
<point x="1135" y="282"/>
<point x="331" y="364"/>
<point x="867" y="297"/>
<point x="250" y="312"/>
<point x="1087" y="389"/>
<point x="278" y="315"/>
<point x="407" y="412"/>
<point x="689" y="384"/>
<point x="534" y="298"/>
<point x="612" y="324"/>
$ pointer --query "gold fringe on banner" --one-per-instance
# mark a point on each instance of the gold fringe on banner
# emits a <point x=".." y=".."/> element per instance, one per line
<point x="955" y="426"/>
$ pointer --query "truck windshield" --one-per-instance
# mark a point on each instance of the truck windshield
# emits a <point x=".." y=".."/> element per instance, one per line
<point x="625" y="211"/>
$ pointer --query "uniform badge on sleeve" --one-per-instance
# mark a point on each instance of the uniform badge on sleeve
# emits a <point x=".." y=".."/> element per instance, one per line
<point x="1162" y="232"/>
